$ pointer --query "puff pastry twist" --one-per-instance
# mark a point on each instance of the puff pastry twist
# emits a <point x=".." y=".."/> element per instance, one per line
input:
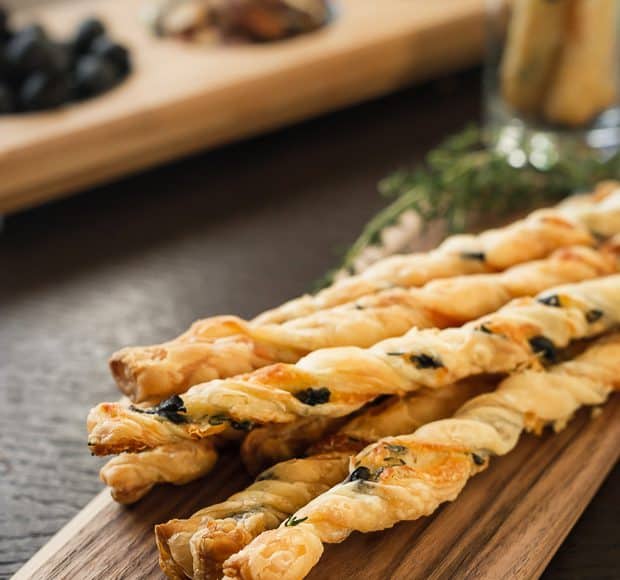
<point x="130" y="477"/>
<point x="392" y="312"/>
<point x="225" y="346"/>
<point x="197" y="547"/>
<point x="407" y="477"/>
<point x="335" y="382"/>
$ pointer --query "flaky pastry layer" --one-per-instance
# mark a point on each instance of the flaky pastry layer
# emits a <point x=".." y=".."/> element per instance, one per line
<point x="335" y="382"/>
<point x="224" y="346"/>
<point x="407" y="477"/>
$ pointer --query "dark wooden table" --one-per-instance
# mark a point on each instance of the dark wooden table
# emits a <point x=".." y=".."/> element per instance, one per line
<point x="234" y="230"/>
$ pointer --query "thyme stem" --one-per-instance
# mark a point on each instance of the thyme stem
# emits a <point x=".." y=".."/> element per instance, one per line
<point x="463" y="178"/>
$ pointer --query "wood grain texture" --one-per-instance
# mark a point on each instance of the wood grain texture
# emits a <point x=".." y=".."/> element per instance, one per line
<point x="185" y="97"/>
<point x="239" y="229"/>
<point x="508" y="523"/>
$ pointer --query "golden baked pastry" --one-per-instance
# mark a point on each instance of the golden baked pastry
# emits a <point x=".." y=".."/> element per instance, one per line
<point x="407" y="477"/>
<point x="178" y="463"/>
<point x="270" y="444"/>
<point x="224" y="346"/>
<point x="439" y="304"/>
<point x="335" y="382"/>
<point x="197" y="547"/>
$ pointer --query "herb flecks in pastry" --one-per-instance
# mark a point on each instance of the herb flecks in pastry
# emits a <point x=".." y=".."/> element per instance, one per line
<point x="440" y="458"/>
<point x="225" y="346"/>
<point x="356" y="376"/>
<point x="198" y="546"/>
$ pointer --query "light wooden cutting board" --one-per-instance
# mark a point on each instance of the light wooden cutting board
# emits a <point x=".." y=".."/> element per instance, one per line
<point x="507" y="523"/>
<point x="184" y="97"/>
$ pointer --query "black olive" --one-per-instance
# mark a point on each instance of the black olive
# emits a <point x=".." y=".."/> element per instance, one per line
<point x="479" y="256"/>
<point x="544" y="346"/>
<point x="361" y="473"/>
<point x="26" y="53"/>
<point x="426" y="361"/>
<point x="43" y="91"/>
<point x="478" y="460"/>
<point x="94" y="75"/>
<point x="5" y="27"/>
<point x="86" y="33"/>
<point x="313" y="397"/>
<point x="34" y="31"/>
<point x="113" y="52"/>
<point x="594" y="315"/>
<point x="168" y="409"/>
<point x="60" y="59"/>
<point x="7" y="100"/>
<point x="552" y="300"/>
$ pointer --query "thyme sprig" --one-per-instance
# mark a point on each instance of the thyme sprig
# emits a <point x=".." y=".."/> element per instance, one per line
<point x="463" y="177"/>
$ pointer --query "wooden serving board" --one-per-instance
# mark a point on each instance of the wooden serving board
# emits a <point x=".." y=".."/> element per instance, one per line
<point x="184" y="97"/>
<point x="507" y="523"/>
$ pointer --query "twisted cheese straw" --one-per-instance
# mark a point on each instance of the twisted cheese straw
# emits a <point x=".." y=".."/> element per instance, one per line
<point x="178" y="463"/>
<point x="270" y="444"/>
<point x="335" y="382"/>
<point x="532" y="238"/>
<point x="197" y="547"/>
<point x="437" y="304"/>
<point x="130" y="476"/>
<point x="404" y="478"/>
<point x="224" y="346"/>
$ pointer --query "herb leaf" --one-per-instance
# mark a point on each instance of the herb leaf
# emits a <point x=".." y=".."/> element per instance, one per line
<point x="463" y="177"/>
<point x="293" y="521"/>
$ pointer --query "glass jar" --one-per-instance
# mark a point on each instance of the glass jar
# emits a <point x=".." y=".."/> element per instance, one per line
<point x="552" y="76"/>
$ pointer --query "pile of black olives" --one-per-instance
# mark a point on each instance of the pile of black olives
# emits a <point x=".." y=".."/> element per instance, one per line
<point x="38" y="73"/>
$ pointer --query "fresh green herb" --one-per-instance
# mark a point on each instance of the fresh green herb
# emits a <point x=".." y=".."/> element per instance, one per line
<point x="293" y="521"/>
<point x="463" y="177"/>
